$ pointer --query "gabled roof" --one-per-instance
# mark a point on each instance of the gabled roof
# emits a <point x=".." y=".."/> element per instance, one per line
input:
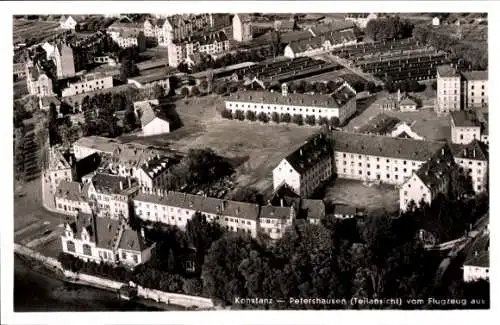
<point x="447" y="71"/>
<point x="275" y="212"/>
<point x="109" y="184"/>
<point x="474" y="150"/>
<point x="408" y="101"/>
<point x="440" y="164"/>
<point x="149" y="113"/>
<point x="475" y="75"/>
<point x="465" y="119"/>
<point x="376" y="145"/>
<point x="314" y="150"/>
<point x="131" y="240"/>
<point x="71" y="191"/>
<point x="107" y="230"/>
<point x="158" y="165"/>
<point x="337" y="37"/>
<point x="83" y="221"/>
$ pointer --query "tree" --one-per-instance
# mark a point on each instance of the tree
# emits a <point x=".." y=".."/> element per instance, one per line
<point x="335" y="122"/>
<point x="434" y="85"/>
<point x="323" y="121"/>
<point x="130" y="119"/>
<point x="184" y="92"/>
<point x="248" y="194"/>
<point x="320" y="87"/>
<point x="251" y="116"/>
<point x="298" y="119"/>
<point x="285" y="117"/>
<point x="204" y="84"/>
<point x="195" y="91"/>
<point x="158" y="91"/>
<point x="227" y="114"/>
<point x="263" y="117"/>
<point x="311" y="119"/>
<point x="239" y="114"/>
<point x="275" y="117"/>
<point x="65" y="109"/>
<point x="52" y="121"/>
<point x="308" y="87"/>
<point x="128" y="69"/>
<point x="220" y="89"/>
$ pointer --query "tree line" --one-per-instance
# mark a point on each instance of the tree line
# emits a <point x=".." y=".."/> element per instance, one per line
<point x="280" y="118"/>
<point x="388" y="28"/>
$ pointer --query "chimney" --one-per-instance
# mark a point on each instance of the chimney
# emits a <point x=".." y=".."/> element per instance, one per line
<point x="281" y="202"/>
<point x="121" y="185"/>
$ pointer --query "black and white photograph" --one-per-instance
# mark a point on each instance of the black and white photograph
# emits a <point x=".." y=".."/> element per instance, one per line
<point x="253" y="161"/>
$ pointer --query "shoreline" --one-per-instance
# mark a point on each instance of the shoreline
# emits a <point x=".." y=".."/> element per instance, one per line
<point x="38" y="267"/>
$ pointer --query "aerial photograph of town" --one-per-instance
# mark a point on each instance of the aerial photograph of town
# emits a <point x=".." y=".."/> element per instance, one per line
<point x="250" y="161"/>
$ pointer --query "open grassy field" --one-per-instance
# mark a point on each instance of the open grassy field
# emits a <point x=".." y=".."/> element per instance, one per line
<point x="357" y="194"/>
<point x="256" y="148"/>
<point x="426" y="122"/>
<point x="23" y="29"/>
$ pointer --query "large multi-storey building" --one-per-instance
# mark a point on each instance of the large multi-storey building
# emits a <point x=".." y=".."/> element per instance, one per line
<point x="87" y="83"/>
<point x="341" y="104"/>
<point x="465" y="127"/>
<point x="472" y="160"/>
<point x="448" y="89"/>
<point x="64" y="60"/>
<point x="431" y="179"/>
<point x="378" y="158"/>
<point x="211" y="44"/>
<point x="37" y="81"/>
<point x="109" y="195"/>
<point x="175" y="208"/>
<point x="105" y="240"/>
<point x="58" y="169"/>
<point x="242" y="28"/>
<point x="86" y="146"/>
<point x="475" y="89"/>
<point x="305" y="169"/>
<point x="70" y="198"/>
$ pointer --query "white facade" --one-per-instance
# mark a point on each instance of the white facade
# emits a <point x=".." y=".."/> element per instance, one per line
<point x="343" y="113"/>
<point x="474" y="273"/>
<point x="242" y="31"/>
<point x="68" y="24"/>
<point x="156" y="126"/>
<point x="71" y="207"/>
<point x="448" y="93"/>
<point x="408" y="107"/>
<point x="374" y="168"/>
<point x="414" y="190"/>
<point x="435" y="21"/>
<point x="476" y="92"/>
<point x="90" y="82"/>
<point x="476" y="169"/>
<point x="82" y="247"/>
<point x="465" y="135"/>
<point x="284" y="173"/>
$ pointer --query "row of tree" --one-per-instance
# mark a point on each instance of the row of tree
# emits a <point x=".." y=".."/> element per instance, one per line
<point x="475" y="55"/>
<point x="404" y="86"/>
<point x="280" y="118"/>
<point x="388" y="28"/>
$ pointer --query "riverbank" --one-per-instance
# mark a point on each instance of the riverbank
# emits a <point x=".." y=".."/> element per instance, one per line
<point x="38" y="289"/>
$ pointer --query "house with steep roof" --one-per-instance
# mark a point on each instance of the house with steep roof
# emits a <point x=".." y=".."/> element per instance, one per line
<point x="99" y="240"/>
<point x="477" y="262"/>
<point x="431" y="179"/>
<point x="306" y="168"/>
<point x="37" y="81"/>
<point x="70" y="22"/>
<point x="242" y="27"/>
<point x="407" y="105"/>
<point x="64" y="60"/>
<point x="472" y="160"/>
<point x="71" y="199"/>
<point x="154" y="121"/>
<point x="448" y="89"/>
<point x="109" y="195"/>
<point x="465" y="127"/>
<point x="58" y="169"/>
<point x="153" y="173"/>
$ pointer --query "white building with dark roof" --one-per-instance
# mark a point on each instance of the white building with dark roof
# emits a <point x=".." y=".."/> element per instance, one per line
<point x="105" y="240"/>
<point x="448" y="89"/>
<point x="429" y="180"/>
<point x="341" y="104"/>
<point x="153" y="173"/>
<point x="472" y="160"/>
<point x="154" y="121"/>
<point x="306" y="168"/>
<point x="70" y="198"/>
<point x="58" y="169"/>
<point x="465" y="127"/>
<point x="320" y="44"/>
<point x="475" y="89"/>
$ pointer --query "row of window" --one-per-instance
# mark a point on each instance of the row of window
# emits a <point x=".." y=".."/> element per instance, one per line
<point x="377" y="166"/>
<point x="236" y="220"/>
<point x="275" y="108"/>
<point x="368" y="173"/>
<point x="344" y="155"/>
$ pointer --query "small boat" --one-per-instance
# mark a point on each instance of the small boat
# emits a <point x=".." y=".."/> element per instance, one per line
<point x="127" y="292"/>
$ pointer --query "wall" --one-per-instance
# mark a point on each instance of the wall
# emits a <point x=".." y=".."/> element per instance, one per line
<point x="176" y="299"/>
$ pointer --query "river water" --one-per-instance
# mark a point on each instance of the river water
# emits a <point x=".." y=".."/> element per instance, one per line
<point x="37" y="292"/>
